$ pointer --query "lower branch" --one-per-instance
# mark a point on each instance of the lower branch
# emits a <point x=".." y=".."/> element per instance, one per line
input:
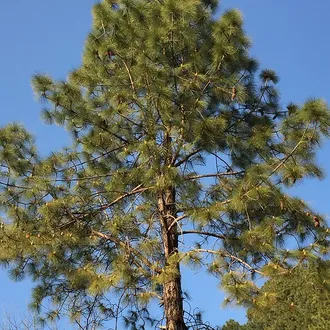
<point x="227" y="255"/>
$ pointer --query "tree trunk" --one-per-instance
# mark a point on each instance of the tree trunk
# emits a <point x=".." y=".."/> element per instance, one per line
<point x="172" y="293"/>
<point x="173" y="303"/>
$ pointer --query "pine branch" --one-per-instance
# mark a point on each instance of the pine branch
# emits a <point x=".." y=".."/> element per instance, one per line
<point x="81" y="179"/>
<point x="284" y="160"/>
<point x="206" y="233"/>
<point x="136" y="190"/>
<point x="222" y="160"/>
<point x="129" y="73"/>
<point x="13" y="185"/>
<point x="128" y="248"/>
<point x="193" y="177"/>
<point x="186" y="158"/>
<point x="175" y="221"/>
<point x="76" y="219"/>
<point x="227" y="255"/>
<point x="94" y="158"/>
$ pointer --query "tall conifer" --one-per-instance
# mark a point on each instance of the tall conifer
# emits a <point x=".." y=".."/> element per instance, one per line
<point x="104" y="225"/>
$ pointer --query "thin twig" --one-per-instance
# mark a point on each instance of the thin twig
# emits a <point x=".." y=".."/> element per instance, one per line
<point x="200" y="232"/>
<point x="226" y="255"/>
<point x="175" y="221"/>
<point x="214" y="175"/>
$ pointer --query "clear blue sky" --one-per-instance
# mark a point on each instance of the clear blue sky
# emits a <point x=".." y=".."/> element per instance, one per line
<point x="290" y="37"/>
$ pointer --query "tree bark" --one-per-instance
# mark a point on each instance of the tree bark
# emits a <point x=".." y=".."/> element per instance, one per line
<point x="172" y="292"/>
<point x="173" y="304"/>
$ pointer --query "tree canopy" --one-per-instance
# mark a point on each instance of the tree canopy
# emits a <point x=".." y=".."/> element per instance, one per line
<point x="297" y="300"/>
<point x="181" y="154"/>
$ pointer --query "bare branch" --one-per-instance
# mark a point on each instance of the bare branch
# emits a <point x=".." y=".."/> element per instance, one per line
<point x="227" y="255"/>
<point x="193" y="177"/>
<point x="175" y="221"/>
<point x="129" y="73"/>
<point x="186" y="158"/>
<point x="206" y="233"/>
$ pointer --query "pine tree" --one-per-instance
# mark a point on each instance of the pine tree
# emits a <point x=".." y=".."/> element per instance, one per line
<point x="232" y="325"/>
<point x="298" y="300"/>
<point x="104" y="225"/>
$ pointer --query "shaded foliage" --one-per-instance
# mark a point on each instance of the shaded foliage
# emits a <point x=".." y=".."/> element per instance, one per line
<point x="297" y="300"/>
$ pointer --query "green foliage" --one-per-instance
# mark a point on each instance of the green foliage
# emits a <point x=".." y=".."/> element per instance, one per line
<point x="298" y="300"/>
<point x="163" y="89"/>
<point x="291" y="301"/>
<point x="232" y="325"/>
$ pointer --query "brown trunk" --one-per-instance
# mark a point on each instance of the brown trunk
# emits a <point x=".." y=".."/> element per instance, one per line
<point x="173" y="303"/>
<point x="172" y="293"/>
